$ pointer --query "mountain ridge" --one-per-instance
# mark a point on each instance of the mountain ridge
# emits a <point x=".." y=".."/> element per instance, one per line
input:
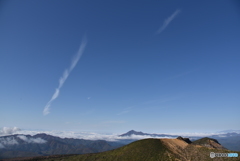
<point x="20" y="145"/>
<point x="43" y="144"/>
<point x="151" y="150"/>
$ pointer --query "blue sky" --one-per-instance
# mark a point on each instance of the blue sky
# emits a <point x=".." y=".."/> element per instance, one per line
<point x="152" y="66"/>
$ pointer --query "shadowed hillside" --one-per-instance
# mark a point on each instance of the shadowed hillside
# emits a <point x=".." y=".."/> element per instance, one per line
<point x="208" y="142"/>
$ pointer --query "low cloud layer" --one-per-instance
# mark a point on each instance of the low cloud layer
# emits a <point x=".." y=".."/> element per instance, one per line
<point x="8" y="130"/>
<point x="1" y="146"/>
<point x="31" y="140"/>
<point x="7" y="141"/>
<point x="89" y="135"/>
<point x="11" y="140"/>
<point x="65" y="75"/>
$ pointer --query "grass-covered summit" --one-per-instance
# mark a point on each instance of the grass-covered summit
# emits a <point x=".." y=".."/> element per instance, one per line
<point x="208" y="142"/>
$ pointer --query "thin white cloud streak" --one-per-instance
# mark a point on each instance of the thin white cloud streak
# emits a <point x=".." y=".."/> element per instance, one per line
<point x="123" y="112"/>
<point x="113" y="122"/>
<point x="65" y="75"/>
<point x="168" y="21"/>
<point x="83" y="113"/>
<point x="182" y="74"/>
<point x="126" y="110"/>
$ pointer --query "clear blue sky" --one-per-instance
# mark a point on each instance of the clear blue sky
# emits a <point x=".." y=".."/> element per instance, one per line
<point x="153" y="66"/>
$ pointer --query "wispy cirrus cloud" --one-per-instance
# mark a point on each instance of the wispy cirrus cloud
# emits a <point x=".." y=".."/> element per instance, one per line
<point x="123" y="112"/>
<point x="65" y="75"/>
<point x="162" y="99"/>
<point x="126" y="110"/>
<point x="182" y="74"/>
<point x="113" y="122"/>
<point x="168" y="21"/>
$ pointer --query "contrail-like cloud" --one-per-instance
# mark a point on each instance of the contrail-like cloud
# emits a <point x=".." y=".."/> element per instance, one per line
<point x="65" y="75"/>
<point x="167" y="21"/>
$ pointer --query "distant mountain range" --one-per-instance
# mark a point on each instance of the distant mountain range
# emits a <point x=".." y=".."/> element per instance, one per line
<point x="153" y="150"/>
<point x="42" y="145"/>
<point x="20" y="145"/>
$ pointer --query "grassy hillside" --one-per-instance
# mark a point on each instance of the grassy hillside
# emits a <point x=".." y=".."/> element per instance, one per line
<point x="147" y="149"/>
<point x="204" y="141"/>
<point x="155" y="150"/>
<point x="209" y="142"/>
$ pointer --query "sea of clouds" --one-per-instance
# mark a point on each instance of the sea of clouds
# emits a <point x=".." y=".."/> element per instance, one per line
<point x="8" y="130"/>
<point x="11" y="140"/>
<point x="91" y="135"/>
<point x="31" y="140"/>
<point x="7" y="141"/>
<point x="71" y="134"/>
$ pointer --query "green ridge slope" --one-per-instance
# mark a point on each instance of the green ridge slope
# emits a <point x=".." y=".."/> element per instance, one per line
<point x="147" y="149"/>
